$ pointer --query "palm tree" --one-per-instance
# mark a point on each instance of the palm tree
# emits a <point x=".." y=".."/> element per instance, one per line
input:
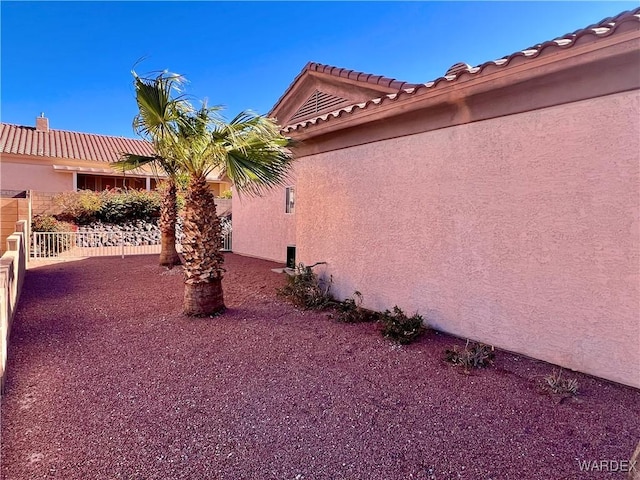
<point x="249" y="150"/>
<point x="157" y="122"/>
<point x="253" y="154"/>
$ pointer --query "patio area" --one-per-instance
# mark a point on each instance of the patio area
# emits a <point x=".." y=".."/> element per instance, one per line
<point x="107" y="379"/>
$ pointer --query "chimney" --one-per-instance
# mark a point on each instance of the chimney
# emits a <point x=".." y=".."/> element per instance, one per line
<point x="42" y="123"/>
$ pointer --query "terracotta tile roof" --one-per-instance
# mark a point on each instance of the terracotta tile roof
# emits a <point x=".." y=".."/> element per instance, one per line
<point x="358" y="76"/>
<point x="348" y="74"/>
<point x="18" y="139"/>
<point x="625" y="21"/>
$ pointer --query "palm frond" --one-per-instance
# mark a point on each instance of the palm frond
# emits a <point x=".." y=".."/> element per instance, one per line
<point x="159" y="109"/>
<point x="249" y="149"/>
<point x="131" y="161"/>
<point x="261" y="165"/>
<point x="162" y="109"/>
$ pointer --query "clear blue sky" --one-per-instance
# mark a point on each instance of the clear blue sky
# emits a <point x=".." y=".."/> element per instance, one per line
<point x="72" y="60"/>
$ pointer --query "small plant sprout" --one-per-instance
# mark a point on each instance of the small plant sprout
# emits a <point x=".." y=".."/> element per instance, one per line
<point x="351" y="311"/>
<point x="306" y="290"/>
<point x="400" y="328"/>
<point x="555" y="383"/>
<point x="474" y="355"/>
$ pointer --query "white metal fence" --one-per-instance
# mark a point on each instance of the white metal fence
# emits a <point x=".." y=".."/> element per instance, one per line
<point x="100" y="244"/>
<point x="226" y="241"/>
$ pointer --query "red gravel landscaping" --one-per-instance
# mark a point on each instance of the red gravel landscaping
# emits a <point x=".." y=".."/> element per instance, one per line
<point x="107" y="379"/>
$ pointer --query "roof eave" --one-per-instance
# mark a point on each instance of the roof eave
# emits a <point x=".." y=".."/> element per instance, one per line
<point x="342" y="75"/>
<point x="466" y="84"/>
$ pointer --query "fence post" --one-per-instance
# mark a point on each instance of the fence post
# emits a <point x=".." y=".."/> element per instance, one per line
<point x="28" y="234"/>
<point x="122" y="241"/>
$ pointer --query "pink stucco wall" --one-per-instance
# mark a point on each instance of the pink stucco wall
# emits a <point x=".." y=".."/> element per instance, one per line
<point x="27" y="176"/>
<point x="261" y="228"/>
<point x="520" y="231"/>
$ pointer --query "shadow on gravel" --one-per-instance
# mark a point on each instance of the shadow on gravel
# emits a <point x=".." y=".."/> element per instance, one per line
<point x="50" y="281"/>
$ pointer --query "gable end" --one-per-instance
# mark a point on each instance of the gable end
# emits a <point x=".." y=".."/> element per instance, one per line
<point x="317" y="103"/>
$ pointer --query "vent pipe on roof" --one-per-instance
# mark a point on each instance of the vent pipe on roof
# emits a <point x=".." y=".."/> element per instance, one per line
<point x="42" y="123"/>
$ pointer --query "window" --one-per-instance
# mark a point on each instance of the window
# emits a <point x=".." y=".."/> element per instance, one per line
<point x="98" y="183"/>
<point x="290" y="199"/>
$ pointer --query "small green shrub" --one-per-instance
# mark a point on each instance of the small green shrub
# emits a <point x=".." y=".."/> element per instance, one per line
<point x="45" y="223"/>
<point x="474" y="355"/>
<point x="80" y="207"/>
<point x="48" y="223"/>
<point x="304" y="289"/>
<point x="400" y="328"/>
<point x="351" y="311"/>
<point x="226" y="194"/>
<point x="555" y="383"/>
<point x="122" y="206"/>
<point x="110" y="206"/>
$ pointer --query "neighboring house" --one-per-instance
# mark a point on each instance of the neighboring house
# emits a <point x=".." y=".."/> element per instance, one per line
<point x="42" y="159"/>
<point x="499" y="201"/>
<point x="46" y="162"/>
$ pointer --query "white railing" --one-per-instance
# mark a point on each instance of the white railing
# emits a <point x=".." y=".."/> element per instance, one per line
<point x="99" y="244"/>
<point x="226" y="241"/>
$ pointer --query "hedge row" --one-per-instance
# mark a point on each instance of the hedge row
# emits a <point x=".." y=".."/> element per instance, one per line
<point x="109" y="206"/>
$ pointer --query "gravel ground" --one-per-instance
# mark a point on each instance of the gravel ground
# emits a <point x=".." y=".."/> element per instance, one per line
<point x="108" y="380"/>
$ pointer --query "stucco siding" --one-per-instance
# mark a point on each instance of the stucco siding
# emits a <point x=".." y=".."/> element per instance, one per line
<point x="520" y="231"/>
<point x="261" y="228"/>
<point x="26" y="176"/>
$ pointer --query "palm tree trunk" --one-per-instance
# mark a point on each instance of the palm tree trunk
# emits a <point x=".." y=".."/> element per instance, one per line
<point x="168" y="215"/>
<point x="204" y="298"/>
<point x="201" y="248"/>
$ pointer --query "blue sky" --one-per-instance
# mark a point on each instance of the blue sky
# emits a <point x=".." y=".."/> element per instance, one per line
<point x="72" y="60"/>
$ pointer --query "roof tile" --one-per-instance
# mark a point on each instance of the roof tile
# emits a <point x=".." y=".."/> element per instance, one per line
<point x="625" y="21"/>
<point x="18" y="139"/>
<point x="349" y="74"/>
